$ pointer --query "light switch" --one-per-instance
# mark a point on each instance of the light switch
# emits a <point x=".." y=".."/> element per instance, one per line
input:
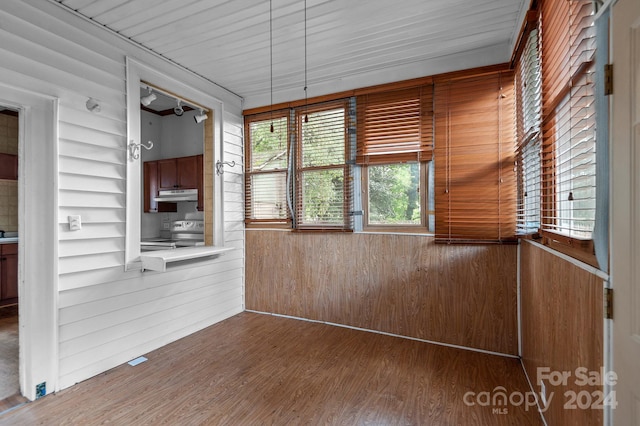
<point x="75" y="223"/>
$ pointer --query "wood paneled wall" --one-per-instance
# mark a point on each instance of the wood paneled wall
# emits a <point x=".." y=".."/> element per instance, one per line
<point x="562" y="328"/>
<point x="401" y="284"/>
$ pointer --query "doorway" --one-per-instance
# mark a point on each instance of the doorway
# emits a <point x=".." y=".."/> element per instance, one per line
<point x="37" y="232"/>
<point x="9" y="238"/>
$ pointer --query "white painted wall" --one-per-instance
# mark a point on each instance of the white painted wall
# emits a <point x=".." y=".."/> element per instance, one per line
<point x="151" y="129"/>
<point x="107" y="316"/>
<point x="181" y="136"/>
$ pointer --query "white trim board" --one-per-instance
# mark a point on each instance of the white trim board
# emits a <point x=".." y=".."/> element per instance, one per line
<point x="38" y="247"/>
<point x="387" y="334"/>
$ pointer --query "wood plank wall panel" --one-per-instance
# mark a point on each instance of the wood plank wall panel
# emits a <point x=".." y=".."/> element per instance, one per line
<point x="402" y="284"/>
<point x="109" y="316"/>
<point x="562" y="328"/>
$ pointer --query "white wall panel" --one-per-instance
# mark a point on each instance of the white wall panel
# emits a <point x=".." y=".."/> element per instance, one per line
<point x="91" y="214"/>
<point x="90" y="183"/>
<point x="108" y="316"/>
<point x="75" y="248"/>
<point x="133" y="347"/>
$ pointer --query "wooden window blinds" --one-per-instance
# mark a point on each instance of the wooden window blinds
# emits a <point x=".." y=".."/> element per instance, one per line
<point x="568" y="122"/>
<point x="395" y="126"/>
<point x="299" y="175"/>
<point x="528" y="92"/>
<point x="323" y="177"/>
<point x="266" y="165"/>
<point x="475" y="187"/>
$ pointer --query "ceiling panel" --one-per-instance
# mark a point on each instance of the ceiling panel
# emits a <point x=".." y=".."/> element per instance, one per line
<point x="228" y="42"/>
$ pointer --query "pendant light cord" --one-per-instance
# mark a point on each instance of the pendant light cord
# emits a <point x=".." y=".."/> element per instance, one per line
<point x="271" y="59"/>
<point x="306" y="115"/>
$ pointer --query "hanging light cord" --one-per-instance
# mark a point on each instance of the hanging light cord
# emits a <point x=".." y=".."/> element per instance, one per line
<point x="271" y="59"/>
<point x="306" y="115"/>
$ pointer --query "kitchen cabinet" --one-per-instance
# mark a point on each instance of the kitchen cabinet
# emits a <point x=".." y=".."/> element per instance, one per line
<point x="150" y="169"/>
<point x="8" y="166"/>
<point x="179" y="173"/>
<point x="169" y="174"/>
<point x="8" y="274"/>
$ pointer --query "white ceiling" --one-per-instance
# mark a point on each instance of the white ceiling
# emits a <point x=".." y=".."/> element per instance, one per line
<point x="350" y="43"/>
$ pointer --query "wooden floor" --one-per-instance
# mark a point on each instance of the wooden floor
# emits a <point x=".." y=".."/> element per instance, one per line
<point x="256" y="369"/>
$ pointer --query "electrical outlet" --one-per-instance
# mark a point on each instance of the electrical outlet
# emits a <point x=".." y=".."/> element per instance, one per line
<point x="166" y="225"/>
<point x="41" y="390"/>
<point x="75" y="222"/>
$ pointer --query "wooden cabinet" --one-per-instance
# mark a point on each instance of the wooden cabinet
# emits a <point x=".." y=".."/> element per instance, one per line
<point x="168" y="174"/>
<point x="150" y="169"/>
<point x="8" y="166"/>
<point x="8" y="274"/>
<point x="178" y="173"/>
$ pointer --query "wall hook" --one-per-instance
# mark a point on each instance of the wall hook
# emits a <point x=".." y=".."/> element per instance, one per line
<point x="134" y="149"/>
<point x="220" y="166"/>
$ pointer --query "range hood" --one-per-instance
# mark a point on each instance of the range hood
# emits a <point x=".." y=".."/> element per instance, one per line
<point x="176" y="195"/>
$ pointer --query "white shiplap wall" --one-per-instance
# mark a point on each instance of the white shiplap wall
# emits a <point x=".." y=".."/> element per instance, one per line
<point x="108" y="316"/>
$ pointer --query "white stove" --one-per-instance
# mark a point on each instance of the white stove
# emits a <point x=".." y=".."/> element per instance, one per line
<point x="184" y="233"/>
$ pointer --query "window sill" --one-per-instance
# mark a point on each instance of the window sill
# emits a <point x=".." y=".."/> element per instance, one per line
<point x="417" y="233"/>
<point x="397" y="229"/>
<point x="157" y="260"/>
<point x="578" y="248"/>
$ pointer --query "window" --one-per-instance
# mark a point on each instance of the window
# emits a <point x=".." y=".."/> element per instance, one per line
<point x="323" y="189"/>
<point x="266" y="175"/>
<point x="569" y="122"/>
<point x="475" y="197"/>
<point x="528" y="117"/>
<point x="395" y="147"/>
<point x="394" y="194"/>
<point x="299" y="175"/>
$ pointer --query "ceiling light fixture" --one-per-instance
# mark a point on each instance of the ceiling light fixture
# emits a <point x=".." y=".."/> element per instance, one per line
<point x="178" y="110"/>
<point x="146" y="100"/>
<point x="271" y="59"/>
<point x="200" y="117"/>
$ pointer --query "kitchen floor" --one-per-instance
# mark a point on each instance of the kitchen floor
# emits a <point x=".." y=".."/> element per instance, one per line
<point x="9" y="384"/>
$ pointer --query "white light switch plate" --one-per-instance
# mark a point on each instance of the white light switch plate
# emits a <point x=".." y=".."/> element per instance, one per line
<point x="75" y="222"/>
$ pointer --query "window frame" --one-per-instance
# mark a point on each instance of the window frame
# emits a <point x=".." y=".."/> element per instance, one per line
<point x="565" y="62"/>
<point x="138" y="72"/>
<point x="295" y="169"/>
<point x="423" y="226"/>
<point x="396" y="126"/>
<point x="300" y="115"/>
<point x="285" y="223"/>
<point x="529" y="137"/>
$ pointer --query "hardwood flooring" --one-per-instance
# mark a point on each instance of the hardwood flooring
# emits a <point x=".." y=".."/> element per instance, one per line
<point x="255" y="369"/>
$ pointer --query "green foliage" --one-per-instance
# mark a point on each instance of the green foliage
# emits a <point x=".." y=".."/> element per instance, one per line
<point x="323" y="195"/>
<point x="323" y="145"/>
<point x="269" y="150"/>
<point x="394" y="197"/>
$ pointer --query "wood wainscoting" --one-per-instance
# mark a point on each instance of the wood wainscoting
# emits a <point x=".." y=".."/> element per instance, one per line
<point x="562" y="330"/>
<point x="402" y="284"/>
